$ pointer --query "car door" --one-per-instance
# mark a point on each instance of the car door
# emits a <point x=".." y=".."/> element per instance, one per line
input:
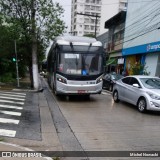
<point x="106" y="80"/>
<point x="122" y="88"/>
<point x="133" y="93"/>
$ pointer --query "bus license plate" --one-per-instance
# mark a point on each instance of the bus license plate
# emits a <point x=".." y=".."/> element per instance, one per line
<point x="81" y="91"/>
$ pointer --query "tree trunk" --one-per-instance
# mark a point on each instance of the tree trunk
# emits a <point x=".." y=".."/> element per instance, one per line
<point x="34" y="48"/>
<point x="35" y="65"/>
<point x="31" y="75"/>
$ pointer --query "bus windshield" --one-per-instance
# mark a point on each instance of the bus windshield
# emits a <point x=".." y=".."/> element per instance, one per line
<point x="79" y="63"/>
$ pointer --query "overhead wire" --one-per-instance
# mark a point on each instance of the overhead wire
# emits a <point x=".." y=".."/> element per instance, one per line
<point x="145" y="16"/>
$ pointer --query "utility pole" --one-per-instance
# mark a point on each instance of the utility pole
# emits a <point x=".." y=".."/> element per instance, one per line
<point x="89" y="15"/>
<point x="15" y="44"/>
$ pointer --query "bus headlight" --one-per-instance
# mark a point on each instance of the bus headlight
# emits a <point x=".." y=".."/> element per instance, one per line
<point x="99" y="80"/>
<point x="61" y="80"/>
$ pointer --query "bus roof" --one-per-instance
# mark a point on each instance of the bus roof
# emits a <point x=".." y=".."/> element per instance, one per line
<point x="77" y="40"/>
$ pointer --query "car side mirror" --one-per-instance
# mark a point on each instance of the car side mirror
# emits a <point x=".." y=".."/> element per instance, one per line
<point x="136" y="85"/>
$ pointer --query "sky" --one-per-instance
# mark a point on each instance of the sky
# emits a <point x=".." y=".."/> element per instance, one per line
<point x="66" y="4"/>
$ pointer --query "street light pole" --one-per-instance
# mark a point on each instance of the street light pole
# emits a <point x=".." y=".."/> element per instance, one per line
<point x="15" y="44"/>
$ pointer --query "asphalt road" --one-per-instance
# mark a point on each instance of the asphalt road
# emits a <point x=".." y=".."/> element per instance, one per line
<point x="95" y="124"/>
<point x="99" y="124"/>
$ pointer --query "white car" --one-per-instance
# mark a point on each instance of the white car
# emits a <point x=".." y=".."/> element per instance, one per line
<point x="141" y="91"/>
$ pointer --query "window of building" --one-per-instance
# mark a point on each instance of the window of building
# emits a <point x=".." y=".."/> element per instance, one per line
<point x="86" y="33"/>
<point x="86" y="20"/>
<point x="92" y="7"/>
<point x="98" y="8"/>
<point x="92" y="21"/>
<point x="87" y="7"/>
<point x="86" y="27"/>
<point x="74" y="26"/>
<point x="80" y="26"/>
<point x="99" y="1"/>
<point x="92" y="27"/>
<point x="87" y="13"/>
<point x="87" y="1"/>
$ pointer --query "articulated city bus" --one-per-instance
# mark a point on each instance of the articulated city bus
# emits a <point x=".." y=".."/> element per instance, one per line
<point x="75" y="65"/>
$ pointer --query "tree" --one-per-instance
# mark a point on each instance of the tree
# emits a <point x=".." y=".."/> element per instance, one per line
<point x="37" y="21"/>
<point x="90" y="35"/>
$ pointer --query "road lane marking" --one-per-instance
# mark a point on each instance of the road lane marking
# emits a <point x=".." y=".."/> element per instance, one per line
<point x="11" y="107"/>
<point x="9" y="95"/>
<point x="8" y="133"/>
<point x="14" y="98"/>
<point x="11" y="113"/>
<point x="12" y="121"/>
<point x="14" y="93"/>
<point x="14" y="102"/>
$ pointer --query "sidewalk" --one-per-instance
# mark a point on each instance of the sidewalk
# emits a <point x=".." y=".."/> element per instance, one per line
<point x="50" y="140"/>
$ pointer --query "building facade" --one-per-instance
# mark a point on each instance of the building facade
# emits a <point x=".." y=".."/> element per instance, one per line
<point x="100" y="11"/>
<point x="115" y="42"/>
<point x="141" y="39"/>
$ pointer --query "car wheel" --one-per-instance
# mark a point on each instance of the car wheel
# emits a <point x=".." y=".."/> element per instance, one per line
<point x="115" y="96"/>
<point x="142" y="105"/>
<point x="110" y="88"/>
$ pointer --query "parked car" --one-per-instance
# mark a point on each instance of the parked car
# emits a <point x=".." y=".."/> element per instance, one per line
<point x="141" y="91"/>
<point x="109" y="80"/>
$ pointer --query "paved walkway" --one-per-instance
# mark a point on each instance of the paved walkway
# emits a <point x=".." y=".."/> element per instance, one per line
<point x="50" y="140"/>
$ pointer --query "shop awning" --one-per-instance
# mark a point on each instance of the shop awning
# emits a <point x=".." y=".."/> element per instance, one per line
<point x="111" y="61"/>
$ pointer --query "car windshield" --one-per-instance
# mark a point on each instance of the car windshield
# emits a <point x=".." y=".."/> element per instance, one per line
<point x="151" y="83"/>
<point x="80" y="63"/>
<point x="116" y="76"/>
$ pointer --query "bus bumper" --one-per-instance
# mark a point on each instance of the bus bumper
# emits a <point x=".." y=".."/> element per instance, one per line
<point x="79" y="88"/>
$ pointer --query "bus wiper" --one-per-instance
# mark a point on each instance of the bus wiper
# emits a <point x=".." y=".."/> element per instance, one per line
<point x="89" y="46"/>
<point x="71" y="44"/>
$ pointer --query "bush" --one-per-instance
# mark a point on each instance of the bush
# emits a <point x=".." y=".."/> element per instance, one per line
<point x="7" y="77"/>
<point x="139" y="69"/>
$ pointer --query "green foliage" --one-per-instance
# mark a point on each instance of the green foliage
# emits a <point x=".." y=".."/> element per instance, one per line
<point x="7" y="77"/>
<point x="90" y="35"/>
<point x="139" y="69"/>
<point x="56" y="158"/>
<point x="19" y="20"/>
<point x="1" y="139"/>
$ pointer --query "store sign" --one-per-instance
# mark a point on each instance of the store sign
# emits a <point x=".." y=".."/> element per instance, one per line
<point x="146" y="48"/>
<point x="153" y="47"/>
<point x="121" y="61"/>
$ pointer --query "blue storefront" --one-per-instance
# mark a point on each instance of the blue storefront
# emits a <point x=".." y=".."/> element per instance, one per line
<point x="148" y="54"/>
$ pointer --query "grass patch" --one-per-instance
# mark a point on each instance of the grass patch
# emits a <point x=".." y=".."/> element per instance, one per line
<point x="1" y="139"/>
<point x="56" y="158"/>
